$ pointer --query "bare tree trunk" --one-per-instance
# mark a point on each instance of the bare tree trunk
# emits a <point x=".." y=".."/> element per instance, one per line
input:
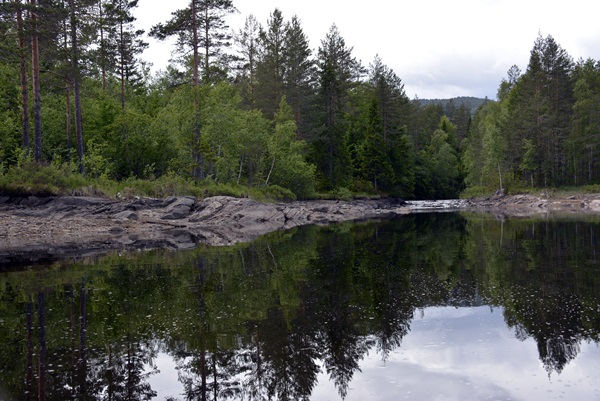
<point x="75" y="61"/>
<point x="500" y="176"/>
<point x="67" y="101"/>
<point x="37" y="94"/>
<point x="24" y="91"/>
<point x="199" y="170"/>
<point x="206" y="44"/>
<point x="122" y="61"/>
<point x="240" y="172"/>
<point x="102" y="45"/>
<point x="68" y="118"/>
<point x="123" y="79"/>
<point x="270" y="171"/>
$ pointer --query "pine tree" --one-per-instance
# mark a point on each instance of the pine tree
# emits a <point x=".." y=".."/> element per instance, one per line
<point x="23" y="49"/>
<point x="201" y="28"/>
<point x="200" y="25"/>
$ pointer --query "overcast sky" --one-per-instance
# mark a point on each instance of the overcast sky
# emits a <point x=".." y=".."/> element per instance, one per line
<point x="439" y="48"/>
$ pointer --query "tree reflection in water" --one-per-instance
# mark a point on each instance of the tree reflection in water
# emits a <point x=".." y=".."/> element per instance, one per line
<point x="261" y="321"/>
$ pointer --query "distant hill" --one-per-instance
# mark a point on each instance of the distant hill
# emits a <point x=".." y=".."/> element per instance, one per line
<point x="471" y="102"/>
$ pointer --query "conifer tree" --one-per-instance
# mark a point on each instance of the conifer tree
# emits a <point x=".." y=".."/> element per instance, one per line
<point x="200" y="25"/>
<point x="270" y="69"/>
<point x="247" y="41"/>
<point x="299" y="74"/>
<point x="375" y="165"/>
<point x="584" y="139"/>
<point x="338" y="72"/>
<point x="123" y="43"/>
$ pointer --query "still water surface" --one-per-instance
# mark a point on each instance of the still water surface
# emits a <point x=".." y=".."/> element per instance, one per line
<point x="424" y="307"/>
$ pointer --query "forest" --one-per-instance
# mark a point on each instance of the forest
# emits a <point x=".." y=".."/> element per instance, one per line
<point x="261" y="108"/>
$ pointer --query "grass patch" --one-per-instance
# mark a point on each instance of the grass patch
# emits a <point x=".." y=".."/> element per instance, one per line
<point x="480" y="191"/>
<point x="29" y="178"/>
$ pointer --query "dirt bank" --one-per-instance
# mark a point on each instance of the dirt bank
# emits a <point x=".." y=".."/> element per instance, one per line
<point x="45" y="229"/>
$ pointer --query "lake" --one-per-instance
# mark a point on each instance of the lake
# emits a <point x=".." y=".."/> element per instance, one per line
<point x="433" y="306"/>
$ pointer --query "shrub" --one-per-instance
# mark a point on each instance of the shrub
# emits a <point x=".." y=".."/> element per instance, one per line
<point x="342" y="193"/>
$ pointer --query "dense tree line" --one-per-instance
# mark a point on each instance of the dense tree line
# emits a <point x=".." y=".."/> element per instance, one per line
<point x="543" y="130"/>
<point x="260" y="107"/>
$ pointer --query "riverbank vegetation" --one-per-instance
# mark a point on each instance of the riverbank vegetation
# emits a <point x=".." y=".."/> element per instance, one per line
<point x="259" y="112"/>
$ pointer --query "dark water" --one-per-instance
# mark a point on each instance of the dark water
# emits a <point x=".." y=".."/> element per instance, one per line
<point x="425" y="307"/>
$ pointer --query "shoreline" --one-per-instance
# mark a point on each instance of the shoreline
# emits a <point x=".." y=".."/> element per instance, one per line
<point x="47" y="229"/>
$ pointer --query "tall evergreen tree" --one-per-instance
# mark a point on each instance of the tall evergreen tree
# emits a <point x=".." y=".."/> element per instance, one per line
<point x="247" y="40"/>
<point x="23" y="49"/>
<point x="375" y="165"/>
<point x="539" y="114"/>
<point x="391" y="98"/>
<point x="338" y="72"/>
<point x="394" y="109"/>
<point x="125" y="42"/>
<point x="75" y="79"/>
<point x="584" y="140"/>
<point x="270" y="69"/>
<point x="299" y="74"/>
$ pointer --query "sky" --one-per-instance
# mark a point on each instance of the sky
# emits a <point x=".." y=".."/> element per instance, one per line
<point x="439" y="48"/>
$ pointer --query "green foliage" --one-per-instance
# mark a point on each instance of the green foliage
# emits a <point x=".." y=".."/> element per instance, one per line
<point x="476" y="191"/>
<point x="28" y="177"/>
<point x="342" y="193"/>
<point x="288" y="167"/>
<point x="374" y="163"/>
<point x="9" y="117"/>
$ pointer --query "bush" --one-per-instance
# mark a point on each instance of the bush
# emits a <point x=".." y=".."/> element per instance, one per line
<point x="342" y="193"/>
<point x="29" y="177"/>
<point x="476" y="191"/>
<point x="275" y="192"/>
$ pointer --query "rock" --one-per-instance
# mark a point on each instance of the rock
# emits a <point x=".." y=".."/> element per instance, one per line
<point x="127" y="215"/>
<point x="180" y="208"/>
<point x="116" y="230"/>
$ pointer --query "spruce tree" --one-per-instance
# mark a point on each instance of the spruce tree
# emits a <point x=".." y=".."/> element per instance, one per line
<point x="270" y="69"/>
<point x="123" y="43"/>
<point x="247" y="41"/>
<point x="299" y="74"/>
<point x="337" y="73"/>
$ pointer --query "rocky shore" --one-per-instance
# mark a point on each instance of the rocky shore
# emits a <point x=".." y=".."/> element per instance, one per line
<point x="44" y="229"/>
